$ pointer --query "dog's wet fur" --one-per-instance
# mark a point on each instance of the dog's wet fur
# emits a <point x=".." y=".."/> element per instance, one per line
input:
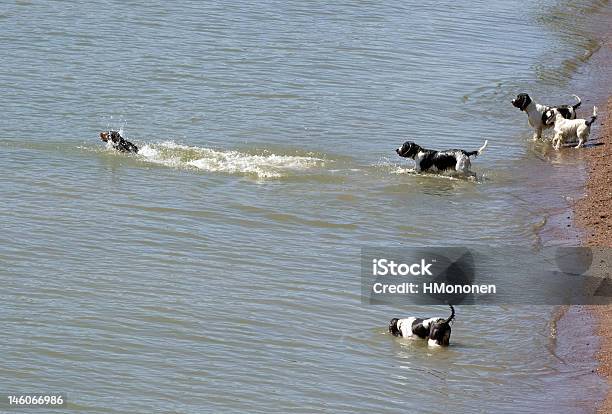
<point x="432" y="160"/>
<point x="118" y="142"/>
<point x="570" y="129"/>
<point x="437" y="331"/>
<point x="537" y="114"/>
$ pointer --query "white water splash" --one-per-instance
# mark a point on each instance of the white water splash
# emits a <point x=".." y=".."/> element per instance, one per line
<point x="265" y="165"/>
<point x="395" y="169"/>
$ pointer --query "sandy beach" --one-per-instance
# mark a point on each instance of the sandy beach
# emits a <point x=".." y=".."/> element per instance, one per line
<point x="593" y="214"/>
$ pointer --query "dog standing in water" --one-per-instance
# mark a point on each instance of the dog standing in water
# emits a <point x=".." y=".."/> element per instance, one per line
<point x="437" y="331"/>
<point x="536" y="113"/>
<point x="118" y="142"/>
<point x="432" y="160"/>
<point x="570" y="129"/>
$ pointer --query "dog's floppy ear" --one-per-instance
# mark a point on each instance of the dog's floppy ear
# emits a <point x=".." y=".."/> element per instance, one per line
<point x="406" y="149"/>
<point x="393" y="329"/>
<point x="546" y="116"/>
<point x="440" y="331"/>
<point x="521" y="101"/>
<point x="524" y="96"/>
<point x="549" y="116"/>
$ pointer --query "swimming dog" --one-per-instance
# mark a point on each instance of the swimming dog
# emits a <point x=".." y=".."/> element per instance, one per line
<point x="570" y="129"/>
<point x="437" y="331"/>
<point x="453" y="159"/>
<point x="118" y="142"/>
<point x="536" y="113"/>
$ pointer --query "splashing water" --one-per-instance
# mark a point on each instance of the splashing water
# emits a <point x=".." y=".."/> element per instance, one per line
<point x="265" y="165"/>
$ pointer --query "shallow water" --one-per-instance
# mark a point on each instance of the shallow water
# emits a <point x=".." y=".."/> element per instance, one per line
<point x="218" y="270"/>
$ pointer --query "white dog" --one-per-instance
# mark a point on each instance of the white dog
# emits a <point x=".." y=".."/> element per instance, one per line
<point x="570" y="129"/>
<point x="536" y="113"/>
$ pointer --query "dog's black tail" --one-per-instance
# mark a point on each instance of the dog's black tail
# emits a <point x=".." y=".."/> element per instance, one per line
<point x="479" y="151"/>
<point x="577" y="105"/>
<point x="593" y="117"/>
<point x="450" y="318"/>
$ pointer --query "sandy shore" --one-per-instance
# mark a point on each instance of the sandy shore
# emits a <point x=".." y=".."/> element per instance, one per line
<point x="593" y="213"/>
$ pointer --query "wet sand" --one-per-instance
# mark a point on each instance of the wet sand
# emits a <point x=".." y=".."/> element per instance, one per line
<point x="593" y="214"/>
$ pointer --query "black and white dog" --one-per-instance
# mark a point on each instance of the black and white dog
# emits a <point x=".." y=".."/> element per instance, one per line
<point x="118" y="142"/>
<point x="437" y="331"/>
<point x="570" y="129"/>
<point x="431" y="160"/>
<point x="536" y="113"/>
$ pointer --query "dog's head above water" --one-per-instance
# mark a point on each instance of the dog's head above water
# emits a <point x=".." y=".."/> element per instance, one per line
<point x="114" y="136"/>
<point x="408" y="150"/>
<point x="393" y="328"/>
<point x="440" y="332"/>
<point x="549" y="116"/>
<point x="521" y="101"/>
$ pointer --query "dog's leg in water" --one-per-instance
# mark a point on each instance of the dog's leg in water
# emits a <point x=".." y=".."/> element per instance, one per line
<point x="557" y="141"/>
<point x="462" y="166"/>
<point x="537" y="134"/>
<point x="463" y="169"/>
